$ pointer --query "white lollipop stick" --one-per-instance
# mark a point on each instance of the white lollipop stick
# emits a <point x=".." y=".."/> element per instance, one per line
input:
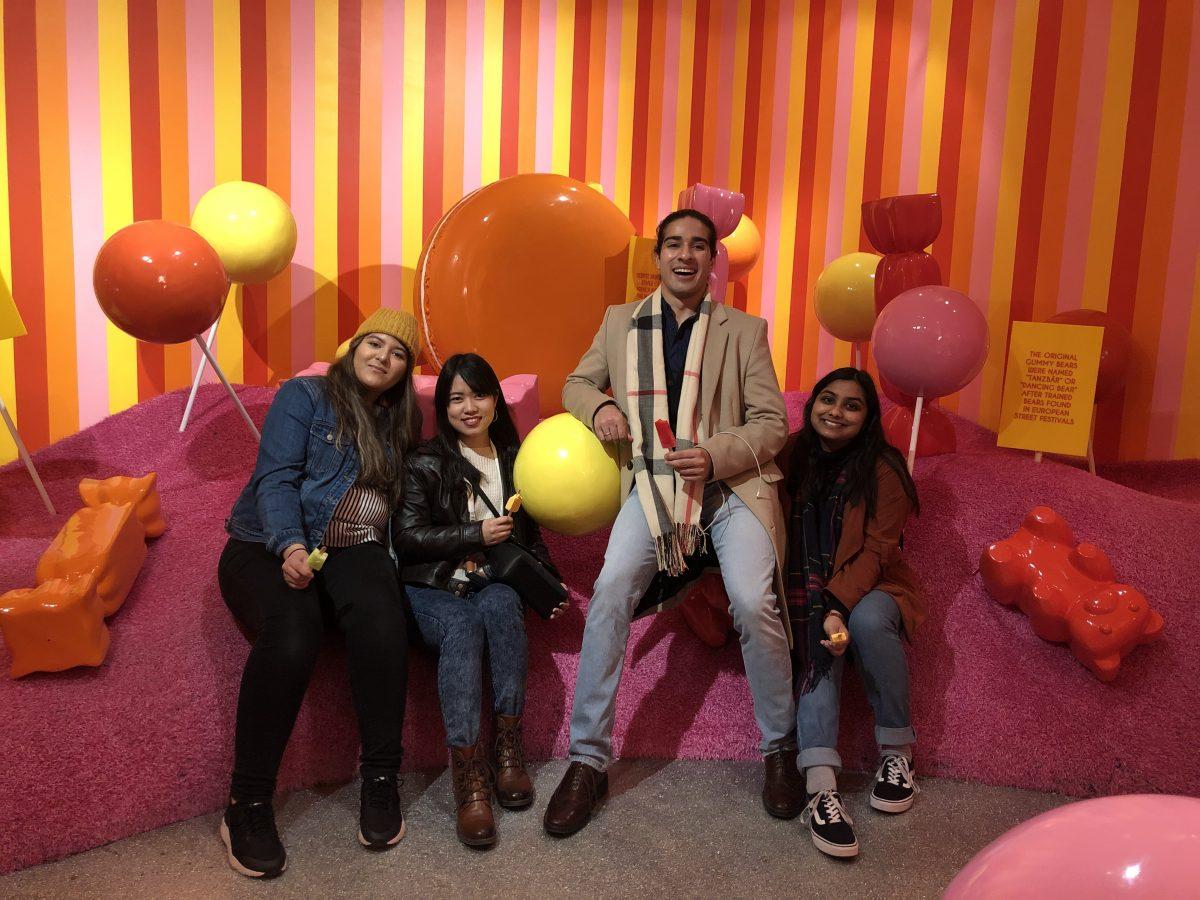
<point x="33" y="473"/>
<point x="916" y="425"/>
<point x="225" y="381"/>
<point x="187" y="410"/>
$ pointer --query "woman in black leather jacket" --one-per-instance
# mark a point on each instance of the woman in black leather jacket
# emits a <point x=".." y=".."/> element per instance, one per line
<point x="456" y="489"/>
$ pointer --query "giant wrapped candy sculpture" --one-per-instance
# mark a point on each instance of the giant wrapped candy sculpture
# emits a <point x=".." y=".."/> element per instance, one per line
<point x="1069" y="592"/>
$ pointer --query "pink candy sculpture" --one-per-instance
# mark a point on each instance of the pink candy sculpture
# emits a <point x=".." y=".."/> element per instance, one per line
<point x="725" y="208"/>
<point x="1069" y="592"/>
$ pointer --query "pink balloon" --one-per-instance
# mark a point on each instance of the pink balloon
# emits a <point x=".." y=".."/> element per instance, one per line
<point x="725" y="208"/>
<point x="1137" y="845"/>
<point x="930" y="340"/>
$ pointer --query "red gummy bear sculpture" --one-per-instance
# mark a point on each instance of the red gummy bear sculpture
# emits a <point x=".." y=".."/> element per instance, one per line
<point x="1069" y="592"/>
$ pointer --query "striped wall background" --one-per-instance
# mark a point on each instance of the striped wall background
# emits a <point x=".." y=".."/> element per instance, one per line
<point x="1064" y="137"/>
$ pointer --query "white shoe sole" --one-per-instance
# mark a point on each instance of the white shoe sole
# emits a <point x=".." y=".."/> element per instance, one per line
<point x="892" y="806"/>
<point x="393" y="842"/>
<point x="237" y="866"/>
<point x="841" y="851"/>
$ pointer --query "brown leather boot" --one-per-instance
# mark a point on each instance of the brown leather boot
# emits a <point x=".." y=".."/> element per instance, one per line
<point x="472" y="781"/>
<point x="514" y="788"/>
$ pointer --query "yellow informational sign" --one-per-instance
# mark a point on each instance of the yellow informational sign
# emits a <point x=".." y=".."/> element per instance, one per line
<point x="1050" y="387"/>
<point x="11" y="325"/>
<point x="643" y="273"/>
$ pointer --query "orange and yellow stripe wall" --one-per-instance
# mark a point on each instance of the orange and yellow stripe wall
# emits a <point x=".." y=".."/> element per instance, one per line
<point x="1064" y="138"/>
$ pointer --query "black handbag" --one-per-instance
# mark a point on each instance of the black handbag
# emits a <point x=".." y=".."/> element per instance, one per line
<point x="514" y="564"/>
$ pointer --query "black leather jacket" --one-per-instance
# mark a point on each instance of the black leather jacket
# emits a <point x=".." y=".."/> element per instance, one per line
<point x="432" y="532"/>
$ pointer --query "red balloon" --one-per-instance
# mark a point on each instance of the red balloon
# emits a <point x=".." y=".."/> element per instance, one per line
<point x="1114" y="349"/>
<point x="160" y="281"/>
<point x="935" y="437"/>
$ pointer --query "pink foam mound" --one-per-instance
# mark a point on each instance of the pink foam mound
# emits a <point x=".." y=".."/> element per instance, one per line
<point x="146" y="738"/>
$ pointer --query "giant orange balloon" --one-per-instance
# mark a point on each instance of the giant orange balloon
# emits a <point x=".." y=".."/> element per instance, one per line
<point x="1114" y="348"/>
<point x="159" y="281"/>
<point x="743" y="245"/>
<point x="520" y="271"/>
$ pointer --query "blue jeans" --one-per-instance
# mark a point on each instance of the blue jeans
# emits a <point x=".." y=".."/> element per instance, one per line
<point x="459" y="628"/>
<point x="747" y="559"/>
<point x="875" y="642"/>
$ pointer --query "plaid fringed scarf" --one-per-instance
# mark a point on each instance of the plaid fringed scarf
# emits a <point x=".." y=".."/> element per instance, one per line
<point x="815" y="529"/>
<point x="672" y="505"/>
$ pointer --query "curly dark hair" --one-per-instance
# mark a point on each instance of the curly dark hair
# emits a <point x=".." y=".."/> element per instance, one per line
<point x="863" y="452"/>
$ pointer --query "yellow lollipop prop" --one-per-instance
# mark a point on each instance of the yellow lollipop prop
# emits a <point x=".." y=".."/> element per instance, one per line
<point x="845" y="297"/>
<point x="568" y="480"/>
<point x="250" y="227"/>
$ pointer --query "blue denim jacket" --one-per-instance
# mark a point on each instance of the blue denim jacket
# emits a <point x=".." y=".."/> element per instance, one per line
<point x="301" y="474"/>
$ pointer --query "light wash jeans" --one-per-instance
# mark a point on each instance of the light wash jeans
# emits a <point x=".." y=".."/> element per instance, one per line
<point x="459" y="628"/>
<point x="875" y="642"/>
<point x="747" y="559"/>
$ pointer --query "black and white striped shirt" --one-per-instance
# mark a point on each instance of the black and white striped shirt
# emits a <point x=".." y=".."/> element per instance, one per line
<point x="361" y="516"/>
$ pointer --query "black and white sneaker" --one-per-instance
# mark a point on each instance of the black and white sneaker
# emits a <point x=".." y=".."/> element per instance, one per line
<point x="895" y="787"/>
<point x="830" y="825"/>
<point x="380" y="821"/>
<point x="251" y="840"/>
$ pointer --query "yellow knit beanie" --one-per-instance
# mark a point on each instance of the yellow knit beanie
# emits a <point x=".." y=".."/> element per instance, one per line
<point x="399" y="324"/>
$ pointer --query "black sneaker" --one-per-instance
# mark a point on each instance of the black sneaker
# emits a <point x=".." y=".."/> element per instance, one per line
<point x="894" y="785"/>
<point x="380" y="822"/>
<point x="251" y="841"/>
<point x="830" y="825"/>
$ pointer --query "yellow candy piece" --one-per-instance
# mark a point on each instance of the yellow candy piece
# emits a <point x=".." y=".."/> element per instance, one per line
<point x="317" y="558"/>
<point x="839" y="637"/>
<point x="514" y="503"/>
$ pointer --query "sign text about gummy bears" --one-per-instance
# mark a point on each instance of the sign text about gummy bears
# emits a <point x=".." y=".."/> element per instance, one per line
<point x="1049" y="387"/>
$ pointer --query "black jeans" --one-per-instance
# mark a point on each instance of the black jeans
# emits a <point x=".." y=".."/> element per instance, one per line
<point x="358" y="590"/>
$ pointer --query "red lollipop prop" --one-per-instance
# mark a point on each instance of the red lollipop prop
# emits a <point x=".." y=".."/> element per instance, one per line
<point x="1114" y="349"/>
<point x="159" y="282"/>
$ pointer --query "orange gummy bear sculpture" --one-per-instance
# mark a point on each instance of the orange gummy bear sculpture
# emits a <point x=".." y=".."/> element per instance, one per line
<point x="57" y="625"/>
<point x="1069" y="592"/>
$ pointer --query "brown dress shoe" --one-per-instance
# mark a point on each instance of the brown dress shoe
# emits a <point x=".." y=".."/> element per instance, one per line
<point x="473" y="795"/>
<point x="514" y="789"/>
<point x="783" y="788"/>
<point x="581" y="790"/>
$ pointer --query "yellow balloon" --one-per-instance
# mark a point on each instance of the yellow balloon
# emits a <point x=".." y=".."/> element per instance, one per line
<point x="250" y="227"/>
<point x="743" y="247"/>
<point x="845" y="296"/>
<point x="569" y="481"/>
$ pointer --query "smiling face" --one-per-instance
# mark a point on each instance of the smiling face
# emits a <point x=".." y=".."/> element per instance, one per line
<point x="470" y="412"/>
<point x="838" y="414"/>
<point x="380" y="361"/>
<point x="685" y="259"/>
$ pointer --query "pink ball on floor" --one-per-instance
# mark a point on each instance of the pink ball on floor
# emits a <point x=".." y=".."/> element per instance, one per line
<point x="1137" y="845"/>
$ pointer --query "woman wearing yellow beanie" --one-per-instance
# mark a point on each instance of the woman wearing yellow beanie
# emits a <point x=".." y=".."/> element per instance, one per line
<point x="308" y="544"/>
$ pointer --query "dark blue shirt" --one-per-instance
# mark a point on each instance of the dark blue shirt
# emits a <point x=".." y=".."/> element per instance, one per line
<point x="675" y="340"/>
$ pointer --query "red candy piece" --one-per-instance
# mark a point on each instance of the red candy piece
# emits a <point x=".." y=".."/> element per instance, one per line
<point x="1069" y="592"/>
<point x="665" y="434"/>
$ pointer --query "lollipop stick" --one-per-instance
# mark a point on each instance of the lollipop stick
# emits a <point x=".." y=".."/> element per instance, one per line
<point x="33" y="473"/>
<point x="912" y="440"/>
<point x="229" y="387"/>
<point x="187" y="410"/>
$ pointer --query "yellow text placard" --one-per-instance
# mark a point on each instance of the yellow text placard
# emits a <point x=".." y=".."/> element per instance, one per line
<point x="643" y="273"/>
<point x="1050" y="387"/>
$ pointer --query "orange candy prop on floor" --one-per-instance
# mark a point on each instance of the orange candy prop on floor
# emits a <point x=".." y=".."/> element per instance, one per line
<point x="141" y="492"/>
<point x="84" y="575"/>
<point x="520" y="271"/>
<point x="106" y="541"/>
<point x="55" y="626"/>
<point x="1069" y="592"/>
<point x="159" y="282"/>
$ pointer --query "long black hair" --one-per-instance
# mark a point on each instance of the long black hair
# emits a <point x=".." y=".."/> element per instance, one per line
<point x="480" y="377"/>
<point x="381" y="434"/>
<point x="863" y="453"/>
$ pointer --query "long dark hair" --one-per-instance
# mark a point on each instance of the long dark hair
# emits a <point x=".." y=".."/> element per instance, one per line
<point x="382" y="435"/>
<point x="481" y="378"/>
<point x="863" y="453"/>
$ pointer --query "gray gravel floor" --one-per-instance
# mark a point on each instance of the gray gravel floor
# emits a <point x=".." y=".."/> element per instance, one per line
<point x="685" y="827"/>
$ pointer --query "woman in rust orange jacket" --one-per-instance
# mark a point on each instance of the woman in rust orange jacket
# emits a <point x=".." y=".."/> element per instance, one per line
<point x="850" y="590"/>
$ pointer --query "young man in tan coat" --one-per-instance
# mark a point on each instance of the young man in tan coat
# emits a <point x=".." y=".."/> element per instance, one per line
<point x="675" y="358"/>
